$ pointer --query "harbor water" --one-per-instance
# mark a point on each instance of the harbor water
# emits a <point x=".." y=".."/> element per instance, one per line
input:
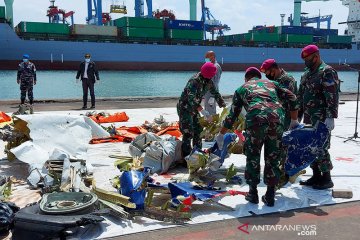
<point x="62" y="84"/>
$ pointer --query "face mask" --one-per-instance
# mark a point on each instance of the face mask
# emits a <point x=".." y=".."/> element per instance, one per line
<point x="270" y="77"/>
<point x="310" y="63"/>
<point x="207" y="60"/>
<point x="25" y="60"/>
<point x="87" y="60"/>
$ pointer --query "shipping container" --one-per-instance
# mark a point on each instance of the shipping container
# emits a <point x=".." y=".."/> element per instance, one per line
<point x="184" y="24"/>
<point x="185" y="34"/>
<point x="296" y="30"/>
<point x="135" y="22"/>
<point x="247" y="37"/>
<point x="319" y="39"/>
<point x="82" y="29"/>
<point x="325" y="32"/>
<point x="142" y="32"/>
<point x="295" y="38"/>
<point x="265" y="37"/>
<point x="2" y="12"/>
<point x="338" y="39"/>
<point x="264" y="29"/>
<point x="38" y="27"/>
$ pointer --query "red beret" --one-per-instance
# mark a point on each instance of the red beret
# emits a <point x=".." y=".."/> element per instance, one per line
<point x="208" y="70"/>
<point x="253" y="69"/>
<point x="308" y="50"/>
<point x="267" y="64"/>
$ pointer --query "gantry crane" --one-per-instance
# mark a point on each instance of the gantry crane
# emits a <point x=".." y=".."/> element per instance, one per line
<point x="99" y="17"/>
<point x="57" y="15"/>
<point x="296" y="21"/>
<point x="210" y="23"/>
<point x="139" y="8"/>
<point x="317" y="19"/>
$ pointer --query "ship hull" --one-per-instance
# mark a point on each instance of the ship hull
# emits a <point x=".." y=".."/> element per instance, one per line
<point x="66" y="55"/>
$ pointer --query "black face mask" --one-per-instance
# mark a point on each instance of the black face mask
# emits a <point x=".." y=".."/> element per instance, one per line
<point x="270" y="77"/>
<point x="310" y="63"/>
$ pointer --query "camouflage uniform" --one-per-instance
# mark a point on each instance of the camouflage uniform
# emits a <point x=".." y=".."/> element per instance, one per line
<point x="189" y="102"/>
<point x="27" y="76"/>
<point x="287" y="81"/>
<point x="318" y="99"/>
<point x="264" y="126"/>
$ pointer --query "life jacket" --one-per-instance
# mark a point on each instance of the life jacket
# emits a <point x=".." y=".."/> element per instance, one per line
<point x="114" y="138"/>
<point x="130" y="132"/>
<point x="117" y="117"/>
<point x="171" y="130"/>
<point x="4" y="117"/>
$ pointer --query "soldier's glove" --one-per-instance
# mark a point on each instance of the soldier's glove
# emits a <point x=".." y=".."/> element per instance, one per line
<point x="330" y="124"/>
<point x="293" y="124"/>
<point x="206" y="114"/>
<point x="219" y="138"/>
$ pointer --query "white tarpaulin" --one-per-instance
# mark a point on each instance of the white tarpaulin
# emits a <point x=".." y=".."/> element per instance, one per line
<point x="52" y="134"/>
<point x="345" y="157"/>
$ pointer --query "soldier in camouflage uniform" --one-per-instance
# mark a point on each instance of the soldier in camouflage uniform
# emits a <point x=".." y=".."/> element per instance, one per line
<point x="275" y="73"/>
<point x="318" y="98"/>
<point x="26" y="77"/>
<point x="189" y="106"/>
<point x="264" y="126"/>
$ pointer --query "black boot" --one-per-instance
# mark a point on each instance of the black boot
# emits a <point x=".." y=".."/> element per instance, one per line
<point x="269" y="197"/>
<point x="252" y="196"/>
<point x="325" y="182"/>
<point x="314" y="179"/>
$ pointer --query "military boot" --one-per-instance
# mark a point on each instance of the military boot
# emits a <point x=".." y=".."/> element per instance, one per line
<point x="252" y="195"/>
<point x="314" y="179"/>
<point x="325" y="182"/>
<point x="269" y="197"/>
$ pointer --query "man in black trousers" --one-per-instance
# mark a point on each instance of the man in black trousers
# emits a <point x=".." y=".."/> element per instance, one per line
<point x="88" y="72"/>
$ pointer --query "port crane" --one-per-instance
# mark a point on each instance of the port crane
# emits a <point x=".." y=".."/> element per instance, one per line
<point x="316" y="19"/>
<point x="57" y="15"/>
<point x="164" y="14"/>
<point x="296" y="21"/>
<point x="210" y="23"/>
<point x="99" y="17"/>
<point x="9" y="11"/>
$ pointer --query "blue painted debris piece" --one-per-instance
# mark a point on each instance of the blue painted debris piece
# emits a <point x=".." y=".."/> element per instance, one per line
<point x="228" y="138"/>
<point x="188" y="189"/>
<point x="304" y="145"/>
<point x="131" y="186"/>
